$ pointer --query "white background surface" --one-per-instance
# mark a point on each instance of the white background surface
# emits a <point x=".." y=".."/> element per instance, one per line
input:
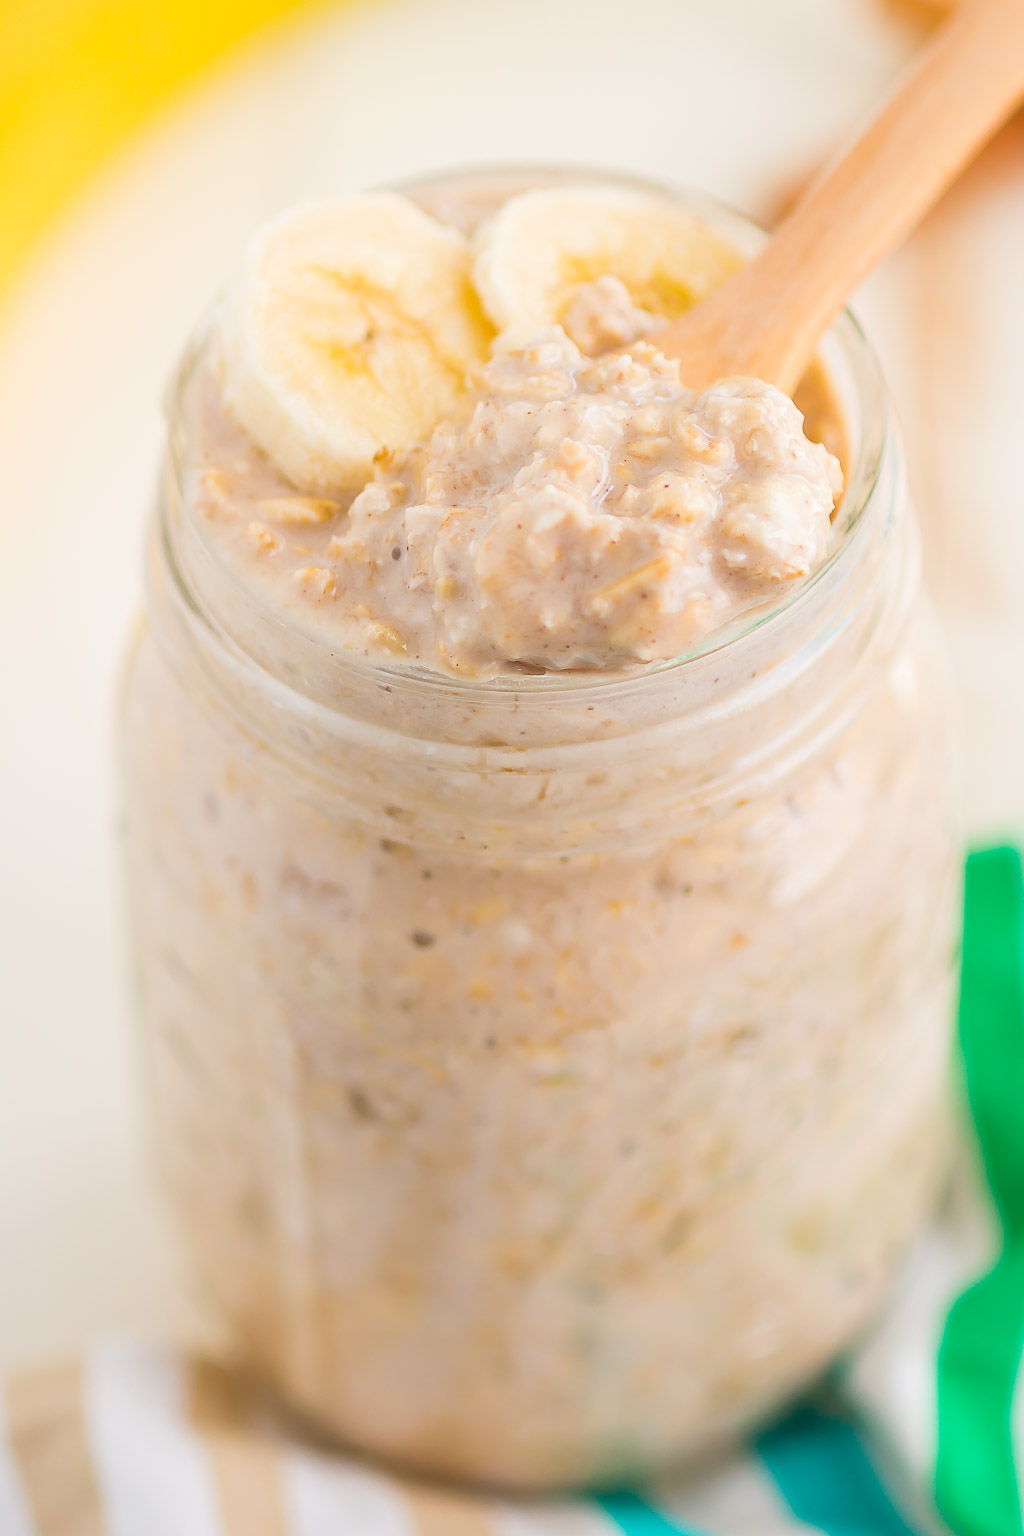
<point x="741" y="97"/>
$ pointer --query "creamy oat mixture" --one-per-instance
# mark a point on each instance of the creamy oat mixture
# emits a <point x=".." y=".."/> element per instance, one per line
<point x="579" y="512"/>
<point x="548" y="1072"/>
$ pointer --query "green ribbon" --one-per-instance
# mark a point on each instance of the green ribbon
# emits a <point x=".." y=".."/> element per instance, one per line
<point x="976" y="1488"/>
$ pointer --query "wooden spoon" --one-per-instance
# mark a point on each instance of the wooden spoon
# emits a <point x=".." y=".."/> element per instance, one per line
<point x="766" y="321"/>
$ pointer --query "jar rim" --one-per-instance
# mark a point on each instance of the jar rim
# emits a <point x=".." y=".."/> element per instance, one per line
<point x="845" y="340"/>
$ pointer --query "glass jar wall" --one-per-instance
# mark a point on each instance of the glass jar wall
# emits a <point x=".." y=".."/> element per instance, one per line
<point x="548" y="1072"/>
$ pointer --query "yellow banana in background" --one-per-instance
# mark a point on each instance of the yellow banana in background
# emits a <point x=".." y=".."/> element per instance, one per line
<point x="77" y="77"/>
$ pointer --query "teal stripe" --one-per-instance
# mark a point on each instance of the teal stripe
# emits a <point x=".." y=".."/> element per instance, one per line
<point x="976" y="1487"/>
<point x="822" y="1471"/>
<point x="635" y="1517"/>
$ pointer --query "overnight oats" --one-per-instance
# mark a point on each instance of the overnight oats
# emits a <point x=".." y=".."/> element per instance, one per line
<point x="541" y="849"/>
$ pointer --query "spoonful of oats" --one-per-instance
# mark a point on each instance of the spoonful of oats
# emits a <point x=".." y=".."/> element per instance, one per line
<point x="766" y="321"/>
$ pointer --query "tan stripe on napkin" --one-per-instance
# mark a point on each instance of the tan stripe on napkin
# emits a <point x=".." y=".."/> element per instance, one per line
<point x="246" y="1469"/>
<point x="47" y="1434"/>
<point x="436" y="1513"/>
<point x="224" y="1408"/>
<point x="249" y="1488"/>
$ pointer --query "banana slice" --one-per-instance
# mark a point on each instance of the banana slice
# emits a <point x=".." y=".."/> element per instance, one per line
<point x="348" y="330"/>
<point x="541" y="247"/>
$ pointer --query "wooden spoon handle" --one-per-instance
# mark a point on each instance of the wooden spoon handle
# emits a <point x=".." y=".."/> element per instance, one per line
<point x="767" y="320"/>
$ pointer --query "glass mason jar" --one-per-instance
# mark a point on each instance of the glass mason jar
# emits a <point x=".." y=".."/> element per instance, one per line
<point x="548" y="1072"/>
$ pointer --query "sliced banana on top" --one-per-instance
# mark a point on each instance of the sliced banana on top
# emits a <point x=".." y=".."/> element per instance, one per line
<point x="348" y="330"/>
<point x="541" y="247"/>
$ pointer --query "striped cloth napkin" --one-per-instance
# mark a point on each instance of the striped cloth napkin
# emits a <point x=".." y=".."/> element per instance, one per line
<point x="915" y="1433"/>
